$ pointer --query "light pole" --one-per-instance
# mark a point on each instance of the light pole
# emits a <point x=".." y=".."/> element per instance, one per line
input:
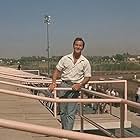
<point x="47" y="21"/>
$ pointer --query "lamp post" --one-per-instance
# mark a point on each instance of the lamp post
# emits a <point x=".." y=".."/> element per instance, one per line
<point x="47" y="21"/>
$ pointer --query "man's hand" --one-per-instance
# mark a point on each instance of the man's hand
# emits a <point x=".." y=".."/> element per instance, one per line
<point x="76" y="86"/>
<point x="52" y="86"/>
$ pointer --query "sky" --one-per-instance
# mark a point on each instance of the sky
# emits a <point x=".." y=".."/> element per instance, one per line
<point x="108" y="27"/>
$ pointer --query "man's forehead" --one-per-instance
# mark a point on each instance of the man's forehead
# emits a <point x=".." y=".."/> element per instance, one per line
<point x="78" y="42"/>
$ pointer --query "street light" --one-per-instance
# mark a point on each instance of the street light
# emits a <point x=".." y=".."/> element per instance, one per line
<point x="47" y="21"/>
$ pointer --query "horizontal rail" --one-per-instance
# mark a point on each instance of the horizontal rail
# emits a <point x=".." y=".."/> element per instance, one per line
<point x="57" y="100"/>
<point x="32" y="71"/>
<point x="131" y="103"/>
<point x="98" y="126"/>
<point x="47" y="130"/>
<point x="108" y="81"/>
<point x="27" y="127"/>
<point x="28" y="81"/>
<point x="45" y="88"/>
<point x="99" y="93"/>
<point x="111" y="99"/>
<point x="91" y="82"/>
<point x="31" y="87"/>
<point x="118" y="100"/>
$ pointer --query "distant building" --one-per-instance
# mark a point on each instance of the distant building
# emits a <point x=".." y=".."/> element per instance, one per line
<point x="132" y="59"/>
<point x="138" y="57"/>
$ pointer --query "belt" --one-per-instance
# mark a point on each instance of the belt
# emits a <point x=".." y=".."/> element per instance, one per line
<point x="68" y="82"/>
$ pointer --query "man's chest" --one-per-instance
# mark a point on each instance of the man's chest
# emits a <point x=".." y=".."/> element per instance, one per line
<point x="70" y="66"/>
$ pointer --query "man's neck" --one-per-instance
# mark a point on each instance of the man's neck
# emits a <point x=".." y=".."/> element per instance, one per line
<point x="76" y="56"/>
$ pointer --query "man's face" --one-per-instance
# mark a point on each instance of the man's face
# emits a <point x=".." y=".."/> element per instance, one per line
<point x="78" y="46"/>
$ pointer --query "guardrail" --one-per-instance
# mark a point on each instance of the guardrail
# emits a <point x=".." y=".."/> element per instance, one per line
<point x="27" y="127"/>
<point x="38" y="73"/>
<point x="111" y="99"/>
<point x="90" y="82"/>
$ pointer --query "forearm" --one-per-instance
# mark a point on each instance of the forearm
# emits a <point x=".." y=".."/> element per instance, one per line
<point x="85" y="81"/>
<point x="55" y="75"/>
<point x="78" y="86"/>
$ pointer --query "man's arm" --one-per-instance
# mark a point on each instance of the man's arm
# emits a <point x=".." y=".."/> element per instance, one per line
<point x="78" y="86"/>
<point x="85" y="81"/>
<point x="55" y="75"/>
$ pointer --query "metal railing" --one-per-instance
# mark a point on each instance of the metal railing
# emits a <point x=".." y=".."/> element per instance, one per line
<point x="38" y="73"/>
<point x="122" y="102"/>
<point x="27" y="127"/>
<point x="86" y="90"/>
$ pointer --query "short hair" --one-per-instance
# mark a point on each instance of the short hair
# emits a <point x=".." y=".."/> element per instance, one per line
<point x="79" y="39"/>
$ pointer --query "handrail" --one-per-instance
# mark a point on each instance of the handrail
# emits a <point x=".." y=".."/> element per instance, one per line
<point x="122" y="101"/>
<point x="54" y="132"/>
<point x="49" y="131"/>
<point x="57" y="100"/>
<point x="98" y="126"/>
<point x="131" y="103"/>
<point x="110" y="99"/>
<point x="90" y="82"/>
<point x="38" y="73"/>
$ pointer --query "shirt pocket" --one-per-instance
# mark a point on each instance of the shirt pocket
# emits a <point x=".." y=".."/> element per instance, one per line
<point x="67" y="66"/>
<point x="80" y="68"/>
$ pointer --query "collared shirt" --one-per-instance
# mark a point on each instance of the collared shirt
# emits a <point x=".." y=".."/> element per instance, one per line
<point x="74" y="72"/>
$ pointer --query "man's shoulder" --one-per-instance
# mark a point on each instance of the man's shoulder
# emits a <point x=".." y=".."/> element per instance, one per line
<point x="66" y="57"/>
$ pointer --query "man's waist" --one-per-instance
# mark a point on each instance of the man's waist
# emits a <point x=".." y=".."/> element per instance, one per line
<point x="72" y="81"/>
<point x="69" y="82"/>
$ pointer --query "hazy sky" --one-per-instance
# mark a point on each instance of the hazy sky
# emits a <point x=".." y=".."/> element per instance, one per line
<point x="107" y="26"/>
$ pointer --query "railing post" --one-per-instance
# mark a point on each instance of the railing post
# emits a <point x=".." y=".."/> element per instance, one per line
<point x="110" y="108"/>
<point x="81" y="113"/>
<point x="98" y="108"/>
<point x="55" y="104"/>
<point x="125" y="97"/>
<point x="38" y="73"/>
<point x="33" y="92"/>
<point x="122" y="119"/>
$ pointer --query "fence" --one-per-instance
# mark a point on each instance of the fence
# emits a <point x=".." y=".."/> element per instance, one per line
<point x="55" y="100"/>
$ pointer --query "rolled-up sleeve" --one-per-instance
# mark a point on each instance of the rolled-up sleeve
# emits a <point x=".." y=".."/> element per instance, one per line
<point x="60" y="64"/>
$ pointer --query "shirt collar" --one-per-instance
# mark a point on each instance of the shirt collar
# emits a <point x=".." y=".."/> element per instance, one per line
<point x="80" y="59"/>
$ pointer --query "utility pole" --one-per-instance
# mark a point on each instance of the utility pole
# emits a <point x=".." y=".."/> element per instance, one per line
<point x="47" y="21"/>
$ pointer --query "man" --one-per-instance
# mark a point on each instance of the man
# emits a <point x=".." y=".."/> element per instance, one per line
<point x="137" y="96"/>
<point x="75" y="71"/>
<point x="19" y="67"/>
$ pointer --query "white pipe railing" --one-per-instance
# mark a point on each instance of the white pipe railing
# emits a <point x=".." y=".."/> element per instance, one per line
<point x="56" y="100"/>
<point x="73" y="100"/>
<point x="38" y="73"/>
<point x="57" y="132"/>
<point x="115" y="100"/>
<point x="116" y="81"/>
<point x="90" y="82"/>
